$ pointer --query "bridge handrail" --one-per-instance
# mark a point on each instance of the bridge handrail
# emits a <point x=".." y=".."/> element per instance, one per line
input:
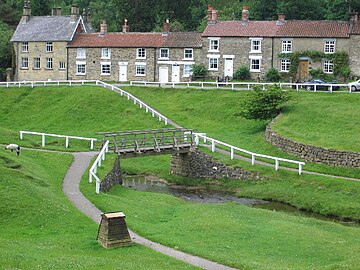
<point x="96" y="164"/>
<point x="253" y="155"/>
<point x="67" y="137"/>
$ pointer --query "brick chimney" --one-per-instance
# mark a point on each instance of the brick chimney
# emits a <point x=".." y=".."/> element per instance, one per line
<point x="354" y="17"/>
<point x="166" y="26"/>
<point x="281" y="19"/>
<point x="56" y="11"/>
<point x="125" y="27"/>
<point x="212" y="14"/>
<point x="209" y="12"/>
<point x="75" y="12"/>
<point x="245" y="14"/>
<point x="103" y="28"/>
<point x="26" y="12"/>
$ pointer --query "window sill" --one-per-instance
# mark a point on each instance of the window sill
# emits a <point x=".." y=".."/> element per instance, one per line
<point x="213" y="69"/>
<point x="164" y="58"/>
<point x="284" y="71"/>
<point x="49" y="69"/>
<point x="62" y="69"/>
<point x="188" y="59"/>
<point x="140" y="75"/>
<point x="213" y="51"/>
<point x="329" y="52"/>
<point x="80" y="74"/>
<point x="255" y="70"/>
<point x="186" y="76"/>
<point x="80" y="58"/>
<point x="36" y="68"/>
<point x="287" y="52"/>
<point x="105" y="74"/>
<point x="105" y="58"/>
<point x="255" y="52"/>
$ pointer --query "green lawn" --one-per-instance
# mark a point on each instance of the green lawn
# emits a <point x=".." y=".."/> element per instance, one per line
<point x="41" y="229"/>
<point x="80" y="111"/>
<point x="215" y="112"/>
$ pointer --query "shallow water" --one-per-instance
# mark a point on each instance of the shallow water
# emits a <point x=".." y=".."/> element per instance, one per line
<point x="202" y="195"/>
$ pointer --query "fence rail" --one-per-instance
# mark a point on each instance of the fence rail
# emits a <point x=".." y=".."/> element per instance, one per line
<point x="67" y="138"/>
<point x="97" y="163"/>
<point x="214" y="142"/>
<point x="48" y="83"/>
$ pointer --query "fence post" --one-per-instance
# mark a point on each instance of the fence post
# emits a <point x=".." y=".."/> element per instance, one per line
<point x="252" y="159"/>
<point x="21" y="135"/>
<point x="212" y="145"/>
<point x="276" y="164"/>
<point x="97" y="187"/>
<point x="166" y="122"/>
<point x="67" y="141"/>
<point x="92" y="144"/>
<point x="90" y="176"/>
<point x="43" y="140"/>
<point x="232" y="152"/>
<point x="300" y="168"/>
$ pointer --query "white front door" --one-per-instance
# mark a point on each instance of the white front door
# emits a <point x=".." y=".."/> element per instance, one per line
<point x="229" y="67"/>
<point x="175" y="75"/>
<point x="163" y="74"/>
<point x="122" y="72"/>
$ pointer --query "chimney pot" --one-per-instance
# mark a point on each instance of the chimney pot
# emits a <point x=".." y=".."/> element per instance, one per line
<point x="245" y="13"/>
<point x="56" y="11"/>
<point x="75" y="12"/>
<point x="166" y="26"/>
<point x="281" y="17"/>
<point x="26" y="11"/>
<point x="125" y="27"/>
<point x="354" y="16"/>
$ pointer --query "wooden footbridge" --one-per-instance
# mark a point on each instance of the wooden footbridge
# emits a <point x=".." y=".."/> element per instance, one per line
<point x="129" y="144"/>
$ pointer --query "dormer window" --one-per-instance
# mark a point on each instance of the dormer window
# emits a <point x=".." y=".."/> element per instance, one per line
<point x="214" y="44"/>
<point x="25" y="47"/>
<point x="329" y="46"/>
<point x="164" y="53"/>
<point x="105" y="53"/>
<point x="140" y="53"/>
<point x="255" y="45"/>
<point x="49" y="47"/>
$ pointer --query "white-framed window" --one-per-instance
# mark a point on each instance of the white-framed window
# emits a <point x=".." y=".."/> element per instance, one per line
<point x="284" y="65"/>
<point x="62" y="65"/>
<point x="24" y="63"/>
<point x="49" y="47"/>
<point x="214" y="44"/>
<point x="49" y="63"/>
<point x="255" y="64"/>
<point x="140" y="53"/>
<point x="80" y="68"/>
<point x="255" y="46"/>
<point x="105" y="53"/>
<point x="213" y="63"/>
<point x="187" y="70"/>
<point x="188" y="54"/>
<point x="164" y="53"/>
<point x="25" y="47"/>
<point x="36" y="63"/>
<point x="328" y="67"/>
<point x="105" y="68"/>
<point x="80" y="53"/>
<point x="286" y="46"/>
<point x="329" y="46"/>
<point x="140" y="69"/>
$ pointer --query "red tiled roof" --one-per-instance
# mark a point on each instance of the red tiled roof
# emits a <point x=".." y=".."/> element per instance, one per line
<point x="275" y="29"/>
<point x="149" y="40"/>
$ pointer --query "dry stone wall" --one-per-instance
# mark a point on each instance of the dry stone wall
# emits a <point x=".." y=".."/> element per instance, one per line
<point x="197" y="164"/>
<point x="312" y="153"/>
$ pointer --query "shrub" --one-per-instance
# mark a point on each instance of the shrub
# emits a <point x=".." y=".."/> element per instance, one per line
<point x="264" y="104"/>
<point x="273" y="75"/>
<point x="242" y="73"/>
<point x="199" y="70"/>
<point x="317" y="73"/>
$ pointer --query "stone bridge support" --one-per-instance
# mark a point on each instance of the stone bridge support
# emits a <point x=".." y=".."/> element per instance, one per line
<point x="197" y="164"/>
<point x="113" y="177"/>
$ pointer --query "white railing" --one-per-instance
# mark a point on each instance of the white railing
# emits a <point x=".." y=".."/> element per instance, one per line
<point x="135" y="100"/>
<point x="214" y="142"/>
<point x="316" y="87"/>
<point x="47" y="83"/>
<point x="67" y="138"/>
<point x="96" y="164"/>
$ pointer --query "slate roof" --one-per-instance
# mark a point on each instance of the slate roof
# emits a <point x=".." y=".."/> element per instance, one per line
<point x="291" y="28"/>
<point x="46" y="28"/>
<point x="133" y="39"/>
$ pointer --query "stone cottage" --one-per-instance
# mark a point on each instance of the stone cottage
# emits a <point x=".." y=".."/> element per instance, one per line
<point x="134" y="56"/>
<point x="40" y="43"/>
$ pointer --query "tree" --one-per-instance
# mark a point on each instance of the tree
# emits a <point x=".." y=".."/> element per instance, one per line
<point x="40" y="7"/>
<point x="5" y="48"/>
<point x="264" y="104"/>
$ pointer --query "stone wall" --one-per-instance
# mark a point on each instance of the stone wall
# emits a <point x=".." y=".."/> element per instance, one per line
<point x="312" y="153"/>
<point x="113" y="177"/>
<point x="197" y="164"/>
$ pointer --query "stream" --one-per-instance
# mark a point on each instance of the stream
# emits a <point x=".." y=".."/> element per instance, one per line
<point x="203" y="195"/>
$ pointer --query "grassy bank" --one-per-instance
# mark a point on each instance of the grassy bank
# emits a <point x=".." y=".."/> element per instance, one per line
<point x="216" y="113"/>
<point x="41" y="229"/>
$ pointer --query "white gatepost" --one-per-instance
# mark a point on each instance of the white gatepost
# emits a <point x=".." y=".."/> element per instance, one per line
<point x="252" y="159"/>
<point x="300" y="168"/>
<point x="67" y="142"/>
<point x="232" y="152"/>
<point x="276" y="164"/>
<point x="21" y="135"/>
<point x="43" y="140"/>
<point x="213" y="146"/>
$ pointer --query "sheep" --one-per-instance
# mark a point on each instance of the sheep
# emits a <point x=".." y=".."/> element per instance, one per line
<point x="13" y="147"/>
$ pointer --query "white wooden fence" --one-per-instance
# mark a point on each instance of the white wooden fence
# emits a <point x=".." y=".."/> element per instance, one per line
<point x="96" y="164"/>
<point x="67" y="138"/>
<point x="48" y="83"/>
<point x="214" y="142"/>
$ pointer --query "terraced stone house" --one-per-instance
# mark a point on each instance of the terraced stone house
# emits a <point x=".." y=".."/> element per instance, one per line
<point x="40" y="43"/>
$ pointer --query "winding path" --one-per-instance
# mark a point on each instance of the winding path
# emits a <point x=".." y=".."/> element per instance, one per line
<point x="71" y="188"/>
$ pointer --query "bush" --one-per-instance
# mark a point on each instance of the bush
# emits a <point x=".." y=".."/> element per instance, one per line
<point x="199" y="70"/>
<point x="242" y="73"/>
<point x="317" y="73"/>
<point x="264" y="104"/>
<point x="273" y="75"/>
